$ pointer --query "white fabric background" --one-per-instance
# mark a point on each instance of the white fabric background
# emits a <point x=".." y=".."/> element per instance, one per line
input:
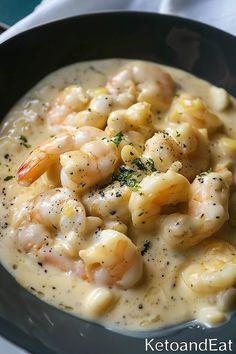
<point x="219" y="13"/>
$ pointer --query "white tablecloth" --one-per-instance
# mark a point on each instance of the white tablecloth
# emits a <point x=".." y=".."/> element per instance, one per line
<point x="219" y="13"/>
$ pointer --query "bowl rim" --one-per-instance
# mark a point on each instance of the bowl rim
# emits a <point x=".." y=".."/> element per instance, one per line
<point x="109" y="13"/>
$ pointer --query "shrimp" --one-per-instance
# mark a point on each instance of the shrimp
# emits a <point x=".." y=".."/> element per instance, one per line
<point x="112" y="260"/>
<point x="207" y="211"/>
<point x="48" y="154"/>
<point x="71" y="99"/>
<point x="212" y="268"/>
<point x="53" y="219"/>
<point x="135" y="124"/>
<point x="187" y="108"/>
<point x="182" y="143"/>
<point x="155" y="192"/>
<point x="110" y="203"/>
<point x="95" y="115"/>
<point x="143" y="82"/>
<point x="76" y="108"/>
<point x="92" y="164"/>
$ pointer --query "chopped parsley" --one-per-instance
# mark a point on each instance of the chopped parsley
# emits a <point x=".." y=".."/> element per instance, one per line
<point x="131" y="177"/>
<point x="147" y="166"/>
<point x="8" y="178"/>
<point x="136" y="187"/>
<point x="139" y="164"/>
<point x="24" y="141"/>
<point x="23" y="138"/>
<point x="150" y="165"/>
<point x="117" y="138"/>
<point x="65" y="307"/>
<point x="126" y="177"/>
<point x="146" y="246"/>
<point x="26" y="145"/>
<point x="92" y="68"/>
<point x="177" y="134"/>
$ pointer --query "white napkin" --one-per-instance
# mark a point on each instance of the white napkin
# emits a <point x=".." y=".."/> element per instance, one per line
<point x="218" y="13"/>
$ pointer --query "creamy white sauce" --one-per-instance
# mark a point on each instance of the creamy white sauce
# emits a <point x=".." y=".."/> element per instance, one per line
<point x="159" y="299"/>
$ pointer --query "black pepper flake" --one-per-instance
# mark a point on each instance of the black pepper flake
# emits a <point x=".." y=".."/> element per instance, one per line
<point x="118" y="194"/>
<point x="146" y="246"/>
<point x="102" y="194"/>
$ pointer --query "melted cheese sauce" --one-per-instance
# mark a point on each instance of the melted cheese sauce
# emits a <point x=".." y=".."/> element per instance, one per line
<point x="159" y="299"/>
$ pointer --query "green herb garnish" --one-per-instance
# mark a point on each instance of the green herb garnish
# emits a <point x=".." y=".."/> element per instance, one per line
<point x="205" y="173"/>
<point x="150" y="165"/>
<point x="137" y="162"/>
<point x="117" y="138"/>
<point x="26" y="145"/>
<point x="177" y="134"/>
<point x="146" y="246"/>
<point x="24" y="141"/>
<point x="23" y="138"/>
<point x="126" y="177"/>
<point x="92" y="68"/>
<point x="8" y="178"/>
<point x="136" y="187"/>
<point x="65" y="307"/>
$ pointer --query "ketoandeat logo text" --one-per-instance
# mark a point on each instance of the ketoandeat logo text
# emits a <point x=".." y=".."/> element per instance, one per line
<point x="207" y="345"/>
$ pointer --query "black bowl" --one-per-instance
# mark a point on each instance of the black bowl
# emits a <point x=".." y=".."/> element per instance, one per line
<point x="24" y="60"/>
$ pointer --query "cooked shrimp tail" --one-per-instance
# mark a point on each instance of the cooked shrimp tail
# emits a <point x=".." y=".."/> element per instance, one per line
<point x="47" y="154"/>
<point x="41" y="158"/>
